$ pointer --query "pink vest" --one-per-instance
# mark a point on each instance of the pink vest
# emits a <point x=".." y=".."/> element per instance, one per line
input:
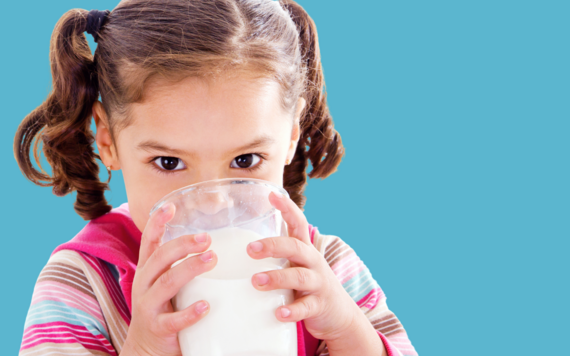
<point x="115" y="238"/>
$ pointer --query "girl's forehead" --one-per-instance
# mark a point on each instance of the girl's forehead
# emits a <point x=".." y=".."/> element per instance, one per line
<point x="197" y="113"/>
<point x="195" y="94"/>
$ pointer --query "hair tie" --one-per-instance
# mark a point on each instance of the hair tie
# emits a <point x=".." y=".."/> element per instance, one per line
<point x="95" y="20"/>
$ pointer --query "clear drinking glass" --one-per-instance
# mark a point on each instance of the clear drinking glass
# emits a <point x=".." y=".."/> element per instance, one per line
<point x="242" y="319"/>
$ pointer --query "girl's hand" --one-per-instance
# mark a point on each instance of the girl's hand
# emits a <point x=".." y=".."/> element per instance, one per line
<point x="154" y="325"/>
<point x="320" y="299"/>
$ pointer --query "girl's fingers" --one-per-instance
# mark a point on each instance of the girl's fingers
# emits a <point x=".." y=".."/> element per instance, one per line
<point x="171" y="323"/>
<point x="303" y="308"/>
<point x="170" y="282"/>
<point x="298" y="278"/>
<point x="153" y="232"/>
<point x="164" y="256"/>
<point x="285" y="247"/>
<point x="293" y="216"/>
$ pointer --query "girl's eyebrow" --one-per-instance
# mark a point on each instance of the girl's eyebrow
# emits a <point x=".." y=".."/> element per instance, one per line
<point x="151" y="145"/>
<point x="263" y="140"/>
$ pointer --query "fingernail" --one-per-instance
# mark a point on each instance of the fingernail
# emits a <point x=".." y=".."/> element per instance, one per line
<point x="261" y="279"/>
<point x="200" y="237"/>
<point x="256" y="246"/>
<point x="278" y="195"/>
<point x="201" y="307"/>
<point x="166" y="207"/>
<point x="285" y="312"/>
<point x="206" y="256"/>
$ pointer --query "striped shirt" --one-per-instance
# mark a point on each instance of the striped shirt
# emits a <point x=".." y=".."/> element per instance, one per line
<point x="78" y="306"/>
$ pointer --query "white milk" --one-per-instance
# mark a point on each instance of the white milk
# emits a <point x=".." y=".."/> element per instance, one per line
<point x="241" y="321"/>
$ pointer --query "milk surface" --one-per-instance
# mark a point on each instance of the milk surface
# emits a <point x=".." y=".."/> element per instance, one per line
<point x="242" y="319"/>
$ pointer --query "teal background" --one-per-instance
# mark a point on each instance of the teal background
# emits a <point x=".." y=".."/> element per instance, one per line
<point x="455" y="186"/>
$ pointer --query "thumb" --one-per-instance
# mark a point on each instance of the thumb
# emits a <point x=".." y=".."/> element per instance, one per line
<point x="153" y="232"/>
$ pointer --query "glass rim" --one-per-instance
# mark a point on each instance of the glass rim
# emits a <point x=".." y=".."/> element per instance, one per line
<point x="221" y="181"/>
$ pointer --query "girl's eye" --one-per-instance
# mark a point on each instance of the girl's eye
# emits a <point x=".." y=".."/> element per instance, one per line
<point x="246" y="161"/>
<point x="169" y="163"/>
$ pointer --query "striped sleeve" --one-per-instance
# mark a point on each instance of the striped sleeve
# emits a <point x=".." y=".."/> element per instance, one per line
<point x="358" y="282"/>
<point x="73" y="311"/>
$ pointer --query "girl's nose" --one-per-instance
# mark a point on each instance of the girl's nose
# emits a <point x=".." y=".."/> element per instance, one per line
<point x="212" y="201"/>
<point x="208" y="200"/>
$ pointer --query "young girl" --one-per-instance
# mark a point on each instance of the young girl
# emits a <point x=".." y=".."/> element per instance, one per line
<point x="191" y="90"/>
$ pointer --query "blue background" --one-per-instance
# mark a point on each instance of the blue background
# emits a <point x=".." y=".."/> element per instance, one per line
<point x="455" y="186"/>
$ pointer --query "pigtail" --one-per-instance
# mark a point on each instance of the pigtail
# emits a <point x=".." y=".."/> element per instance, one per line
<point x="62" y="122"/>
<point x="325" y="149"/>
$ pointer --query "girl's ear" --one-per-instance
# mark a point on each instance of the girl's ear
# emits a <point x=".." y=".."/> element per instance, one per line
<point x="296" y="131"/>
<point x="103" y="138"/>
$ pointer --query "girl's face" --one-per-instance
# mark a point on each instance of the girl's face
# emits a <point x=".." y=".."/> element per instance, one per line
<point x="198" y="130"/>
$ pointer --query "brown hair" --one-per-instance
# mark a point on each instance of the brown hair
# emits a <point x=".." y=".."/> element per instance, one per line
<point x="142" y="39"/>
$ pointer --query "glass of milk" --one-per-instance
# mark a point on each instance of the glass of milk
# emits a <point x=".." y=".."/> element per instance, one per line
<point x="241" y="321"/>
